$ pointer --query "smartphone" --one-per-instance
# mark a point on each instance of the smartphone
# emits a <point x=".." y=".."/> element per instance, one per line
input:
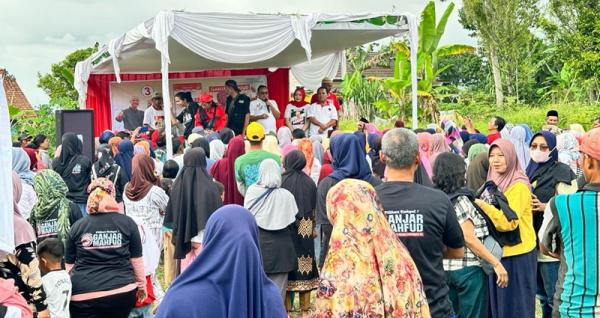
<point x="143" y="130"/>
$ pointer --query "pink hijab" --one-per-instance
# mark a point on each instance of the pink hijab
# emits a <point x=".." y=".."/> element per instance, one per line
<point x="424" y="147"/>
<point x="514" y="172"/>
<point x="23" y="231"/>
<point x="288" y="148"/>
<point x="438" y="145"/>
<point x="10" y="296"/>
<point x="372" y="129"/>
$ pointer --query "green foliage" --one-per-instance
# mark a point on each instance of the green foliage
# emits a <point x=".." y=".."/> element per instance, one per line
<point x="570" y="113"/>
<point x="59" y="82"/>
<point x="42" y="120"/>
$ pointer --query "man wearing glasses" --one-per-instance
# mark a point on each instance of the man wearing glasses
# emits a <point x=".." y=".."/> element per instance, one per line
<point x="131" y="117"/>
<point x="264" y="110"/>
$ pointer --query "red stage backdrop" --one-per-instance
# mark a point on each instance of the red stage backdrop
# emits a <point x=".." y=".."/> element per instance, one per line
<point x="98" y="94"/>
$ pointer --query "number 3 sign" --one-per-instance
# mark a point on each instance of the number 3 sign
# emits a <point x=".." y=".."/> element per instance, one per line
<point x="147" y="91"/>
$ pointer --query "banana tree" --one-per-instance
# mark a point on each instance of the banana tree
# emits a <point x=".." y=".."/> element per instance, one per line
<point x="428" y="69"/>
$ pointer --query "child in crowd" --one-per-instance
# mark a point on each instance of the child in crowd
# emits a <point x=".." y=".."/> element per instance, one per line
<point x="170" y="171"/>
<point x="55" y="280"/>
<point x="221" y="188"/>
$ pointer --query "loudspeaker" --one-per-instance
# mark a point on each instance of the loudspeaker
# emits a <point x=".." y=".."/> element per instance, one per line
<point x="79" y="122"/>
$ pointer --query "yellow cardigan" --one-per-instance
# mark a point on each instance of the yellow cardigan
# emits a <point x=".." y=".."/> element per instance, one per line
<point x="519" y="199"/>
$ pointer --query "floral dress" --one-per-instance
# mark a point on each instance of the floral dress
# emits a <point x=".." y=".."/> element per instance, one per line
<point x="368" y="272"/>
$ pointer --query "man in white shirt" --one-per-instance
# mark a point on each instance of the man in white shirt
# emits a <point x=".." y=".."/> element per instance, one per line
<point x="154" y="115"/>
<point x="322" y="115"/>
<point x="264" y="110"/>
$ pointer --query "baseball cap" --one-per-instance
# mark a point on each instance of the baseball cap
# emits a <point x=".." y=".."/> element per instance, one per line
<point x="255" y="132"/>
<point x="590" y="143"/>
<point x="157" y="95"/>
<point x="205" y="98"/>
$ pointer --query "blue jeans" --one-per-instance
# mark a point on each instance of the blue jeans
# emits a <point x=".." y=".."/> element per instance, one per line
<point x="546" y="285"/>
<point x="468" y="292"/>
<point x="83" y="208"/>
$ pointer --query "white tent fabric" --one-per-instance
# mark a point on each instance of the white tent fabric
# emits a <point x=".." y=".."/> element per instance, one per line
<point x="186" y="41"/>
<point x="7" y="236"/>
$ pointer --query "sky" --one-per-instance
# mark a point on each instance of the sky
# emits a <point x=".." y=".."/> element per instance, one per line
<point x="35" y="34"/>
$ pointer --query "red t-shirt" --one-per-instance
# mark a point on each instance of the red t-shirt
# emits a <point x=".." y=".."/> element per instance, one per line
<point x="204" y="118"/>
<point x="492" y="137"/>
<point x="332" y="99"/>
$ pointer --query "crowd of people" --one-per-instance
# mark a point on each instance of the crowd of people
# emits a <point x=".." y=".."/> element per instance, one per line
<point x="251" y="220"/>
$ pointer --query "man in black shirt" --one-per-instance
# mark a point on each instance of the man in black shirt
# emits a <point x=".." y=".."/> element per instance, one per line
<point x="423" y="218"/>
<point x="237" y="108"/>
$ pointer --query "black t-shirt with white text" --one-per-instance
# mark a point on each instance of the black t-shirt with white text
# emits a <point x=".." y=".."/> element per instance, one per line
<point x="424" y="220"/>
<point x="186" y="117"/>
<point x="101" y="245"/>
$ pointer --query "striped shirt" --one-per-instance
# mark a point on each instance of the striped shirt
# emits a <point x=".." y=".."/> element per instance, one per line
<point x="576" y="218"/>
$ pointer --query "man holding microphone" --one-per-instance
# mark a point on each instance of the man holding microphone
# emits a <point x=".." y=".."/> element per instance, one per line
<point x="264" y="110"/>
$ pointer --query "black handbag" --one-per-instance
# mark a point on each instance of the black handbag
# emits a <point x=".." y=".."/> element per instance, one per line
<point x="500" y="202"/>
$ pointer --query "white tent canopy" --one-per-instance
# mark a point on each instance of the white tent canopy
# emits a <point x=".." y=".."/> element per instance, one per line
<point x="311" y="45"/>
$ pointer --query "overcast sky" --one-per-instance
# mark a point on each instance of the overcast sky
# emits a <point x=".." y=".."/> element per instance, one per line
<point x="36" y="34"/>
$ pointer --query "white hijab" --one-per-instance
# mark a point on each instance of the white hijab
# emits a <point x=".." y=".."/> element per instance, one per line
<point x="273" y="208"/>
<point x="217" y="149"/>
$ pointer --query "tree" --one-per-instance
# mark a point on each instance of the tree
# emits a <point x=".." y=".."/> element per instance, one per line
<point x="504" y="31"/>
<point x="574" y="27"/>
<point x="465" y="71"/>
<point x="428" y="66"/>
<point x="59" y="82"/>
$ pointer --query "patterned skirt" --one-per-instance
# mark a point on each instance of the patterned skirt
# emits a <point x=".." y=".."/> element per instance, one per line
<point x="306" y="277"/>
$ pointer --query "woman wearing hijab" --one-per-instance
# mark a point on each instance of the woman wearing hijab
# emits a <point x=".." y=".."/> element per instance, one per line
<point x="21" y="166"/>
<point x="348" y="161"/>
<point x="74" y="168"/>
<point x="313" y="165"/>
<point x="284" y="136"/>
<point x="465" y="276"/>
<point x="230" y="256"/>
<point x="223" y="171"/>
<point x="453" y="138"/>
<point x="33" y="166"/>
<point x="306" y="277"/>
<point x="114" y="145"/>
<point x="144" y="199"/>
<point x="217" y="150"/>
<point x="104" y="256"/>
<point x="362" y="140"/>
<point x="476" y="150"/>
<point x="518" y="136"/>
<point x="226" y="135"/>
<point x="437" y="146"/>
<point x="194" y="197"/>
<point x="467" y="146"/>
<point x="106" y="167"/>
<point x="519" y="260"/>
<point x="528" y="133"/>
<point x="296" y="111"/>
<point x="275" y="210"/>
<point x="270" y="144"/>
<point x="548" y="178"/>
<point x="568" y="151"/>
<point x="368" y="271"/>
<point x="53" y="214"/>
<point x="22" y="265"/>
<point x="124" y="157"/>
<point x="204" y="144"/>
<point x="318" y="149"/>
<point x="424" y="140"/>
<point x="378" y="166"/>
<point x="477" y="171"/>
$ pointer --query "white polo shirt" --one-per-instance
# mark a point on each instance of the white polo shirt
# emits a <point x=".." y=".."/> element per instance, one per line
<point x="259" y="107"/>
<point x="323" y="114"/>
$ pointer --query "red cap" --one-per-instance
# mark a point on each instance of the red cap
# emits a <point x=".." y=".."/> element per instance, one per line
<point x="590" y="143"/>
<point x="205" y="98"/>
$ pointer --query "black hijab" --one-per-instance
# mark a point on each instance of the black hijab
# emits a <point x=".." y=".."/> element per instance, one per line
<point x="299" y="184"/>
<point x="194" y="197"/>
<point x="203" y="143"/>
<point x="226" y="135"/>
<point x="103" y="167"/>
<point x="72" y="148"/>
<point x="477" y="171"/>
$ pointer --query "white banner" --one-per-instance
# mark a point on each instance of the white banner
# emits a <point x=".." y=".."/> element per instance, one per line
<point x="7" y="236"/>
<point x="121" y="94"/>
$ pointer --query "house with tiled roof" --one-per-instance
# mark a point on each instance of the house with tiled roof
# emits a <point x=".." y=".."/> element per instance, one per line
<point x="14" y="94"/>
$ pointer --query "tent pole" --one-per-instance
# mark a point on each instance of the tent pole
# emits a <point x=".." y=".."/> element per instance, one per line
<point x="414" y="48"/>
<point x="167" y="105"/>
<point x="7" y="242"/>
